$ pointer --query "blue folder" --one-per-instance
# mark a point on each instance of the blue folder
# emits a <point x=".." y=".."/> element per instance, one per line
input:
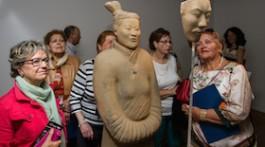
<point x="207" y="98"/>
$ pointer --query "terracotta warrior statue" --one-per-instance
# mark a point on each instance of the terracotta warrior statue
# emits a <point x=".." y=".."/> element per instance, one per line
<point x="125" y="85"/>
<point x="195" y="16"/>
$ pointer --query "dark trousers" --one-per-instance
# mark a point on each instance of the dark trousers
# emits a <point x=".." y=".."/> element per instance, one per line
<point x="85" y="142"/>
<point x="180" y="122"/>
<point x="72" y="131"/>
<point x="165" y="136"/>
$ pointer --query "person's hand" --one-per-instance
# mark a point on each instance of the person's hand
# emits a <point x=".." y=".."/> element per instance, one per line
<point x="172" y="91"/>
<point x="49" y="143"/>
<point x="67" y="116"/>
<point x="195" y="111"/>
<point x="86" y="130"/>
<point x="185" y="108"/>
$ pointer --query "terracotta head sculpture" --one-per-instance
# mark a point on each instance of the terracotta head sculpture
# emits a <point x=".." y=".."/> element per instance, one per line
<point x="126" y="25"/>
<point x="195" y="15"/>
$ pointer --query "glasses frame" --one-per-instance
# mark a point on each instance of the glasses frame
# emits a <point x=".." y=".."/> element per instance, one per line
<point x="36" y="62"/>
<point x="165" y="41"/>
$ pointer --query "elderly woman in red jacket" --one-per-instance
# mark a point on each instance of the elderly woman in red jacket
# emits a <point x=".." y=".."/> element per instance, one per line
<point x="29" y="107"/>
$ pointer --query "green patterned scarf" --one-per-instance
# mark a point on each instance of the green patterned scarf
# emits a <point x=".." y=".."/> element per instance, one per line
<point x="43" y="95"/>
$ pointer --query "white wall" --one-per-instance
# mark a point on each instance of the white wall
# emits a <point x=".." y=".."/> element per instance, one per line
<point x="32" y="19"/>
<point x="248" y="15"/>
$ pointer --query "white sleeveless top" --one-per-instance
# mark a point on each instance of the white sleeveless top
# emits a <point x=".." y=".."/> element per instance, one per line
<point x="167" y="78"/>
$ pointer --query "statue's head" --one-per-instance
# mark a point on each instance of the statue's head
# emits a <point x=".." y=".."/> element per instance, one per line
<point x="126" y="25"/>
<point x="195" y="16"/>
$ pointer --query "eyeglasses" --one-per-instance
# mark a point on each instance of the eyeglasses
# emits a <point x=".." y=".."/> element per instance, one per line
<point x="165" y="41"/>
<point x="37" y="61"/>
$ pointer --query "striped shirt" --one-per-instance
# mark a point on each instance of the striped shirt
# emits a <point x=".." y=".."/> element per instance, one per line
<point x="82" y="94"/>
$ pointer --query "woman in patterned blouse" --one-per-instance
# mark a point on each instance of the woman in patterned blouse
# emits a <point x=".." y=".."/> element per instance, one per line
<point x="231" y="81"/>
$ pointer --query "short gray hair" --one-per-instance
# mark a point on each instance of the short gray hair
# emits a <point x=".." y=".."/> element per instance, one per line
<point x="20" y="52"/>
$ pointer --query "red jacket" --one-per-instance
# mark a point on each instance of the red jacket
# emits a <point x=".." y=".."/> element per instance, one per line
<point x="21" y="119"/>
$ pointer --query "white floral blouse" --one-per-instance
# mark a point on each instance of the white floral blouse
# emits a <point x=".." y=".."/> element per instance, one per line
<point x="233" y="85"/>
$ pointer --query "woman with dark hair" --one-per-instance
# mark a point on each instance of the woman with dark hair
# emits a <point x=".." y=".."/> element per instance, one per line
<point x="235" y="45"/>
<point x="167" y="78"/>
<point x="82" y="98"/>
<point x="62" y="70"/>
